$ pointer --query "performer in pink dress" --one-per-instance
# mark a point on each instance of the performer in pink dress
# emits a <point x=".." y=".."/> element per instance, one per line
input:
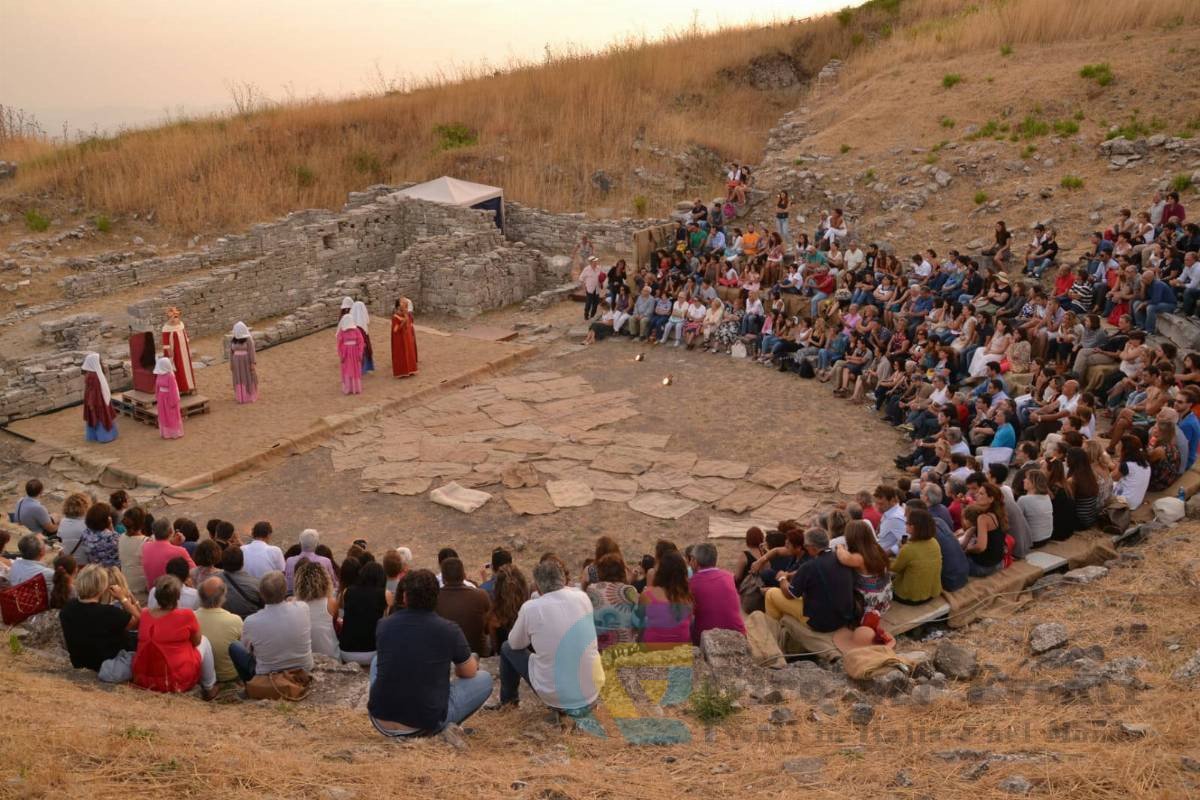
<point x="177" y="348"/>
<point x="243" y="365"/>
<point x="350" y="347"/>
<point x="166" y="392"/>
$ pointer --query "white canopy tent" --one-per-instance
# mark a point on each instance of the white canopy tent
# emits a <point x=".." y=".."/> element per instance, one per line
<point x="455" y="192"/>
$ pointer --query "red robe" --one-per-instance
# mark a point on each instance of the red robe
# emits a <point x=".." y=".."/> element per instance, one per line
<point x="179" y="349"/>
<point x="404" y="345"/>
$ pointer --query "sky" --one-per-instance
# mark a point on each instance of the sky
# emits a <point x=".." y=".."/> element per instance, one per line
<point x="103" y="64"/>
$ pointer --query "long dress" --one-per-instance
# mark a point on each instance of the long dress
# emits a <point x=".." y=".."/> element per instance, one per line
<point x="170" y="415"/>
<point x="404" y="345"/>
<point x="350" y="351"/>
<point x="245" y="374"/>
<point x="178" y="348"/>
<point x="99" y="419"/>
<point x="368" y="356"/>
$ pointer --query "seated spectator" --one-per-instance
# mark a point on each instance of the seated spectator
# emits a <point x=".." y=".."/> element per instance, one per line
<point x="73" y="525"/>
<point x="917" y="570"/>
<point x="825" y="587"/>
<point x="500" y="557"/>
<point x="188" y="598"/>
<point x="363" y="604"/>
<point x="159" y="550"/>
<point x="666" y="605"/>
<point x="172" y="655"/>
<point x="129" y="549"/>
<point x="314" y="589"/>
<point x="220" y="627"/>
<point x="466" y="606"/>
<point x="100" y="541"/>
<point x="30" y="563"/>
<point x="276" y="638"/>
<point x="443" y="554"/>
<point x="1037" y="507"/>
<point x="96" y="626"/>
<point x="395" y="567"/>
<point x="1131" y="475"/>
<point x="242" y="595"/>
<point x="891" y="522"/>
<point x="982" y="537"/>
<point x="31" y="513"/>
<point x="188" y="535"/>
<point x="716" y="603"/>
<point x="207" y="556"/>
<point x="63" y="587"/>
<point x="872" y="580"/>
<point x="411" y="691"/>
<point x="613" y="602"/>
<point x="510" y="590"/>
<point x="259" y="554"/>
<point x="560" y="616"/>
<point x="310" y="540"/>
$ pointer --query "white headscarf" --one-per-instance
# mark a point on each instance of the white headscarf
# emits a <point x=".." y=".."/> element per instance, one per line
<point x="347" y="302"/>
<point x="91" y="363"/>
<point x="163" y="366"/>
<point x="347" y="323"/>
<point x="408" y="305"/>
<point x="358" y="312"/>
<point x="240" y="331"/>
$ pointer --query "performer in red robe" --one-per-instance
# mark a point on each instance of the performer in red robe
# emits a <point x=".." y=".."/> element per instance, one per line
<point x="177" y="348"/>
<point x="99" y="418"/>
<point x="404" y="340"/>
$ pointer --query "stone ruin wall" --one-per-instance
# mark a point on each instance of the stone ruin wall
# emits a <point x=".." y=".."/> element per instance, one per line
<point x="559" y="233"/>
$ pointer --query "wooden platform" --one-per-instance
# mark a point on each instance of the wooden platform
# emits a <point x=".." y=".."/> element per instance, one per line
<point x="142" y="407"/>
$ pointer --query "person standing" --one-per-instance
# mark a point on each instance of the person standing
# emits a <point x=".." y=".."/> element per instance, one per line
<point x="166" y="395"/>
<point x="243" y="364"/>
<point x="589" y="278"/>
<point x="362" y="320"/>
<point x="178" y="349"/>
<point x="782" y="204"/>
<point x="404" y="340"/>
<point x="350" y="347"/>
<point x="99" y="419"/>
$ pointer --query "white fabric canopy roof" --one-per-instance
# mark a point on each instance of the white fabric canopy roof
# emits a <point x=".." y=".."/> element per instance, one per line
<point x="452" y="191"/>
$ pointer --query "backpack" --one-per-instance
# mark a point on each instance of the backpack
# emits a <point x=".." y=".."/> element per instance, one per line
<point x="805" y="368"/>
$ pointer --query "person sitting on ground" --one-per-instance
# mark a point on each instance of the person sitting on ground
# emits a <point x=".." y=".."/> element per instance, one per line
<point x="73" y="526"/>
<point x="259" y="554"/>
<point x="220" y="627"/>
<point x="363" y="604"/>
<point x="411" y="693"/>
<point x="500" y="557"/>
<point x="872" y="580"/>
<point x="310" y="540"/>
<point x="188" y="597"/>
<point x="917" y="570"/>
<point x="172" y="655"/>
<point x="891" y="523"/>
<point x="716" y="602"/>
<point x="613" y="602"/>
<point x="1037" y="507"/>
<point x="604" y="546"/>
<point x="129" y="548"/>
<point x="394" y="567"/>
<point x="208" y="556"/>
<point x="510" y="590"/>
<point x="159" y="550"/>
<point x="314" y="589"/>
<point x="665" y="606"/>
<point x="99" y="540"/>
<point x="32" y="550"/>
<point x="1163" y="453"/>
<point x="1131" y="474"/>
<point x="982" y="537"/>
<point x="96" y="626"/>
<point x="63" y="588"/>
<point x="31" y="513"/>
<point x="560" y="616"/>
<point x="276" y="638"/>
<point x="466" y="606"/>
<point x="824" y="586"/>
<point x="242" y="596"/>
<point x="188" y="535"/>
<point x="783" y="562"/>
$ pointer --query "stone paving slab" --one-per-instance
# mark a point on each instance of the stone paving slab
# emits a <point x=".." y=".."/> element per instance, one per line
<point x="661" y="505"/>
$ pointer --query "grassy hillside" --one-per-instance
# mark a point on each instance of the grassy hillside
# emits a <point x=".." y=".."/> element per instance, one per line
<point x="540" y="130"/>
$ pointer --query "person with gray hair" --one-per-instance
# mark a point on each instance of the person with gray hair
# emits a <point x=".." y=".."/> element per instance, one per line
<point x="221" y="627"/>
<point x="717" y="603"/>
<point x="309" y="540"/>
<point x="278" y="637"/>
<point x="32" y="550"/>
<point x="827" y="589"/>
<point x="932" y="494"/>
<point x="554" y="627"/>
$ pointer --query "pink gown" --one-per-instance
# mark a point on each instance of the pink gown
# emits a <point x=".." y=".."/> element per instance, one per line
<point x="170" y="415"/>
<point x="350" y="347"/>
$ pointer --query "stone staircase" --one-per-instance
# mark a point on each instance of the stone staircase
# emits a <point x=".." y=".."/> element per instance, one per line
<point x="1182" y="331"/>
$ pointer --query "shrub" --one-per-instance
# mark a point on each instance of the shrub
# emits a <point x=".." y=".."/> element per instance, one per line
<point x="305" y="177"/>
<point x="941" y="145"/>
<point x="1028" y="151"/>
<point x="365" y="162"/>
<point x="1133" y="129"/>
<point x="946" y="122"/>
<point x="641" y="204"/>
<point x="980" y="198"/>
<point x="1071" y="182"/>
<point x="455" y="135"/>
<point x="869" y="176"/>
<point x="856" y="39"/>
<point x="845" y="148"/>
<point x="1006" y="50"/>
<point x="988" y="128"/>
<point x="1066" y="127"/>
<point x="1100" y="73"/>
<point x="1181" y="182"/>
<point x="103" y="223"/>
<point x="35" y="221"/>
<point x="1078" y="117"/>
<point x="712" y="704"/>
<point x="1031" y="127"/>
<point x="950" y="80"/>
<point x="845" y="17"/>
<point x="931" y="158"/>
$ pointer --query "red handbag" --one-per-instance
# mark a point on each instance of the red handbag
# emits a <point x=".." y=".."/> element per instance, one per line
<point x="20" y="602"/>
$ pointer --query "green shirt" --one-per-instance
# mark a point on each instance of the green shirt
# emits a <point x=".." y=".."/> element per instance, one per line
<point x="917" y="571"/>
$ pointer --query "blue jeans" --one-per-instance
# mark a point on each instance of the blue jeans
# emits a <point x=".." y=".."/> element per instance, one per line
<point x="781" y="225"/>
<point x="467" y="695"/>
<point x="243" y="661"/>
<point x="816" y="302"/>
<point x="514" y="665"/>
<point x="1148" y="314"/>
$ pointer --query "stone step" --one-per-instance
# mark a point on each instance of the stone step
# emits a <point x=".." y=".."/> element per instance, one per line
<point x="1182" y="331"/>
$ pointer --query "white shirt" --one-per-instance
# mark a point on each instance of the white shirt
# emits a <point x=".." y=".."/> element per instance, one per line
<point x="22" y="570"/>
<point x="1068" y="404"/>
<point x="188" y="598"/>
<point x="1191" y="275"/>
<point x="261" y="558"/>
<point x="754" y="307"/>
<point x="855" y="258"/>
<point x="924" y="269"/>
<point x="1134" y="485"/>
<point x="560" y="621"/>
<point x="891" y="529"/>
<point x="960" y="447"/>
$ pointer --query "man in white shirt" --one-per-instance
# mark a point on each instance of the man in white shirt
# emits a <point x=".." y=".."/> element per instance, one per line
<point x="892" y="527"/>
<point x="261" y="557"/>
<point x="854" y="257"/>
<point x="589" y="279"/>
<point x="552" y="645"/>
<point x="32" y="550"/>
<point x="278" y="637"/>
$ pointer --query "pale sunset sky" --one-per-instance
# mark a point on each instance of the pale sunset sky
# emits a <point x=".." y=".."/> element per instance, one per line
<point x="110" y="63"/>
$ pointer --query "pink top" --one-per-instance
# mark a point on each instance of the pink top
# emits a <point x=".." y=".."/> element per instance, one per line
<point x="717" y="603"/>
<point x="666" y="621"/>
<point x="156" y="554"/>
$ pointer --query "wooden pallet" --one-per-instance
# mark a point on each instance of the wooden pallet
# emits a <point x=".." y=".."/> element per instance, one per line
<point x="141" y="406"/>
